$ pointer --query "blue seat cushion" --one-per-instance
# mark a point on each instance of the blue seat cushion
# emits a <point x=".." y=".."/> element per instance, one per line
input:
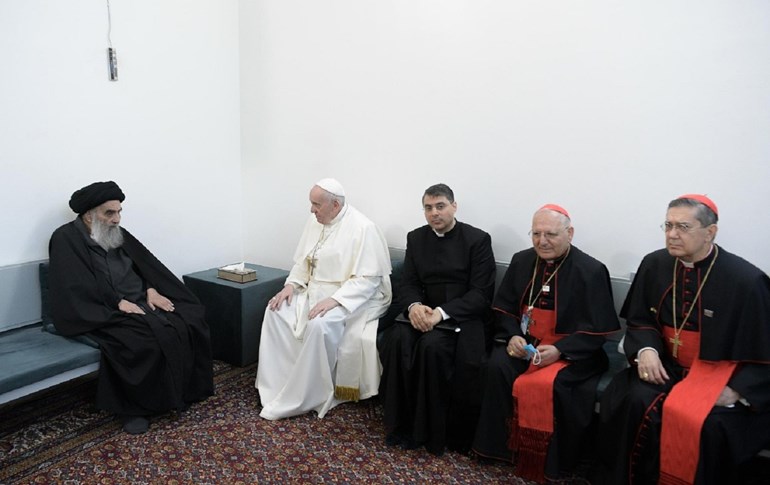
<point x="29" y="355"/>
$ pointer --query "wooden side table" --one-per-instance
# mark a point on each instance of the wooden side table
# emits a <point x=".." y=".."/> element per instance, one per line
<point x="234" y="311"/>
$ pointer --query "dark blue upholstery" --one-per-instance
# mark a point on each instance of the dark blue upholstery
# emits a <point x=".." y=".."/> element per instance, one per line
<point x="33" y="357"/>
<point x="29" y="355"/>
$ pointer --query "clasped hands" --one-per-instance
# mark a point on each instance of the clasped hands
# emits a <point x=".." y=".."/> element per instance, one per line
<point x="423" y="317"/>
<point x="548" y="353"/>
<point x="651" y="370"/>
<point x="154" y="300"/>
<point x="286" y="295"/>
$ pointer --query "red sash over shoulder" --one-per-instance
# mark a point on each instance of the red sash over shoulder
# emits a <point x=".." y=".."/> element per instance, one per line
<point x="532" y="424"/>
<point x="686" y="408"/>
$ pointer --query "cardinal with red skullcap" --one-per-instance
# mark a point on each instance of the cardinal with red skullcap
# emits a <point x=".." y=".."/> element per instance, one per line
<point x="538" y="403"/>
<point x="694" y="405"/>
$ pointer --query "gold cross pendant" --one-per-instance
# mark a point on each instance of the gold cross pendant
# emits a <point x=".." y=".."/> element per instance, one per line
<point x="311" y="263"/>
<point x="677" y="343"/>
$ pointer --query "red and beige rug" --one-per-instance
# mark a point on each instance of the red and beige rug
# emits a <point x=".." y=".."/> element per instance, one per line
<point x="60" y="438"/>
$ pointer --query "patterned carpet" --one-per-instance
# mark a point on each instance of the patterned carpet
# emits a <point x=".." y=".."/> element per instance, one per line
<point x="60" y="438"/>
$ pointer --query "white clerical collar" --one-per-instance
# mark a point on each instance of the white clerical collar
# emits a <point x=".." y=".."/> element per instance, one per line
<point x="339" y="216"/>
<point x="442" y="234"/>
<point x="691" y="264"/>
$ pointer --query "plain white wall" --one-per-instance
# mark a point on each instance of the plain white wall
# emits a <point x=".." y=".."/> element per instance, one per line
<point x="608" y="108"/>
<point x="167" y="131"/>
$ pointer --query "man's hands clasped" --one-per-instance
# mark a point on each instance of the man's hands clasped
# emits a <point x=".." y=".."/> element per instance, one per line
<point x="424" y="318"/>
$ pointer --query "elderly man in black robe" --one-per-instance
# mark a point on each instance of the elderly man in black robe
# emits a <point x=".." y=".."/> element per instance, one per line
<point x="558" y="299"/>
<point x="431" y="359"/>
<point x="695" y="403"/>
<point x="156" y="352"/>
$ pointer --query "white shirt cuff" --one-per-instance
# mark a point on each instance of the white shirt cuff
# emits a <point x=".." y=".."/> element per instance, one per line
<point x="443" y="313"/>
<point x="642" y="350"/>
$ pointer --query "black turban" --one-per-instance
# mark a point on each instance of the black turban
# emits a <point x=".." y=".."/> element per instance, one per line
<point x="95" y="195"/>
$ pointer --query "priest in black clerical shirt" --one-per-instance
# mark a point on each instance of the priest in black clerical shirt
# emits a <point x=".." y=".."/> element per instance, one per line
<point x="432" y="358"/>
<point x="156" y="352"/>
<point x="558" y="299"/>
<point x="695" y="403"/>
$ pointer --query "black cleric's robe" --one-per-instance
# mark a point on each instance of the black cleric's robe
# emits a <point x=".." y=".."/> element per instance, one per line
<point x="733" y="318"/>
<point x="581" y="295"/>
<point x="150" y="363"/>
<point x="430" y="380"/>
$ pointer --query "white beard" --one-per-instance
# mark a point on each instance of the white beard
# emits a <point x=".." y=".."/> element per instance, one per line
<point x="106" y="236"/>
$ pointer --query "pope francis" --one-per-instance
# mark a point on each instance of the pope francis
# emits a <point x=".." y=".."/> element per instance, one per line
<point x="318" y="345"/>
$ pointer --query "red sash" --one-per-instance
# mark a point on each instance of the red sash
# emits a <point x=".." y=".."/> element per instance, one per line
<point x="688" y="347"/>
<point x="532" y="423"/>
<point x="684" y="411"/>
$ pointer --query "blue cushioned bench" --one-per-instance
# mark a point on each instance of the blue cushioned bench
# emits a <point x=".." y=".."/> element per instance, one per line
<point x="32" y="358"/>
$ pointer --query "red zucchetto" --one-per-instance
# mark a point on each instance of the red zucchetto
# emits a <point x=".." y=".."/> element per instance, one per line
<point x="557" y="208"/>
<point x="703" y="200"/>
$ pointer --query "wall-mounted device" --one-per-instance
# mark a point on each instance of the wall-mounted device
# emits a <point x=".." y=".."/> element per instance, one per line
<point x="112" y="57"/>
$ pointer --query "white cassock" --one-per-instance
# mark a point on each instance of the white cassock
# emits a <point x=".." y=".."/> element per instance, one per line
<point x="313" y="365"/>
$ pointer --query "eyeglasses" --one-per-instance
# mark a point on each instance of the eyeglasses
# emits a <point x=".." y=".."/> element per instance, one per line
<point x="548" y="235"/>
<point x="681" y="227"/>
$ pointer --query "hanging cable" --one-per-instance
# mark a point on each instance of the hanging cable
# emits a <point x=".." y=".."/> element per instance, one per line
<point x="109" y="25"/>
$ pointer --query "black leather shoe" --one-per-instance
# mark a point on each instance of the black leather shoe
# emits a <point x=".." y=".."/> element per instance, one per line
<point x="135" y="424"/>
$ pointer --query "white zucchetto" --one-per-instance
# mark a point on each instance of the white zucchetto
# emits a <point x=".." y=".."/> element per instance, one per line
<point x="332" y="186"/>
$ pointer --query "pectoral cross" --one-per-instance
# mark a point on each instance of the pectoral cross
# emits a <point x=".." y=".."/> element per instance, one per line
<point x="311" y="263"/>
<point x="676" y="343"/>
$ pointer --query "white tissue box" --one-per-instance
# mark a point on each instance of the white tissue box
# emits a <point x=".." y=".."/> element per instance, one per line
<point x="239" y="276"/>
